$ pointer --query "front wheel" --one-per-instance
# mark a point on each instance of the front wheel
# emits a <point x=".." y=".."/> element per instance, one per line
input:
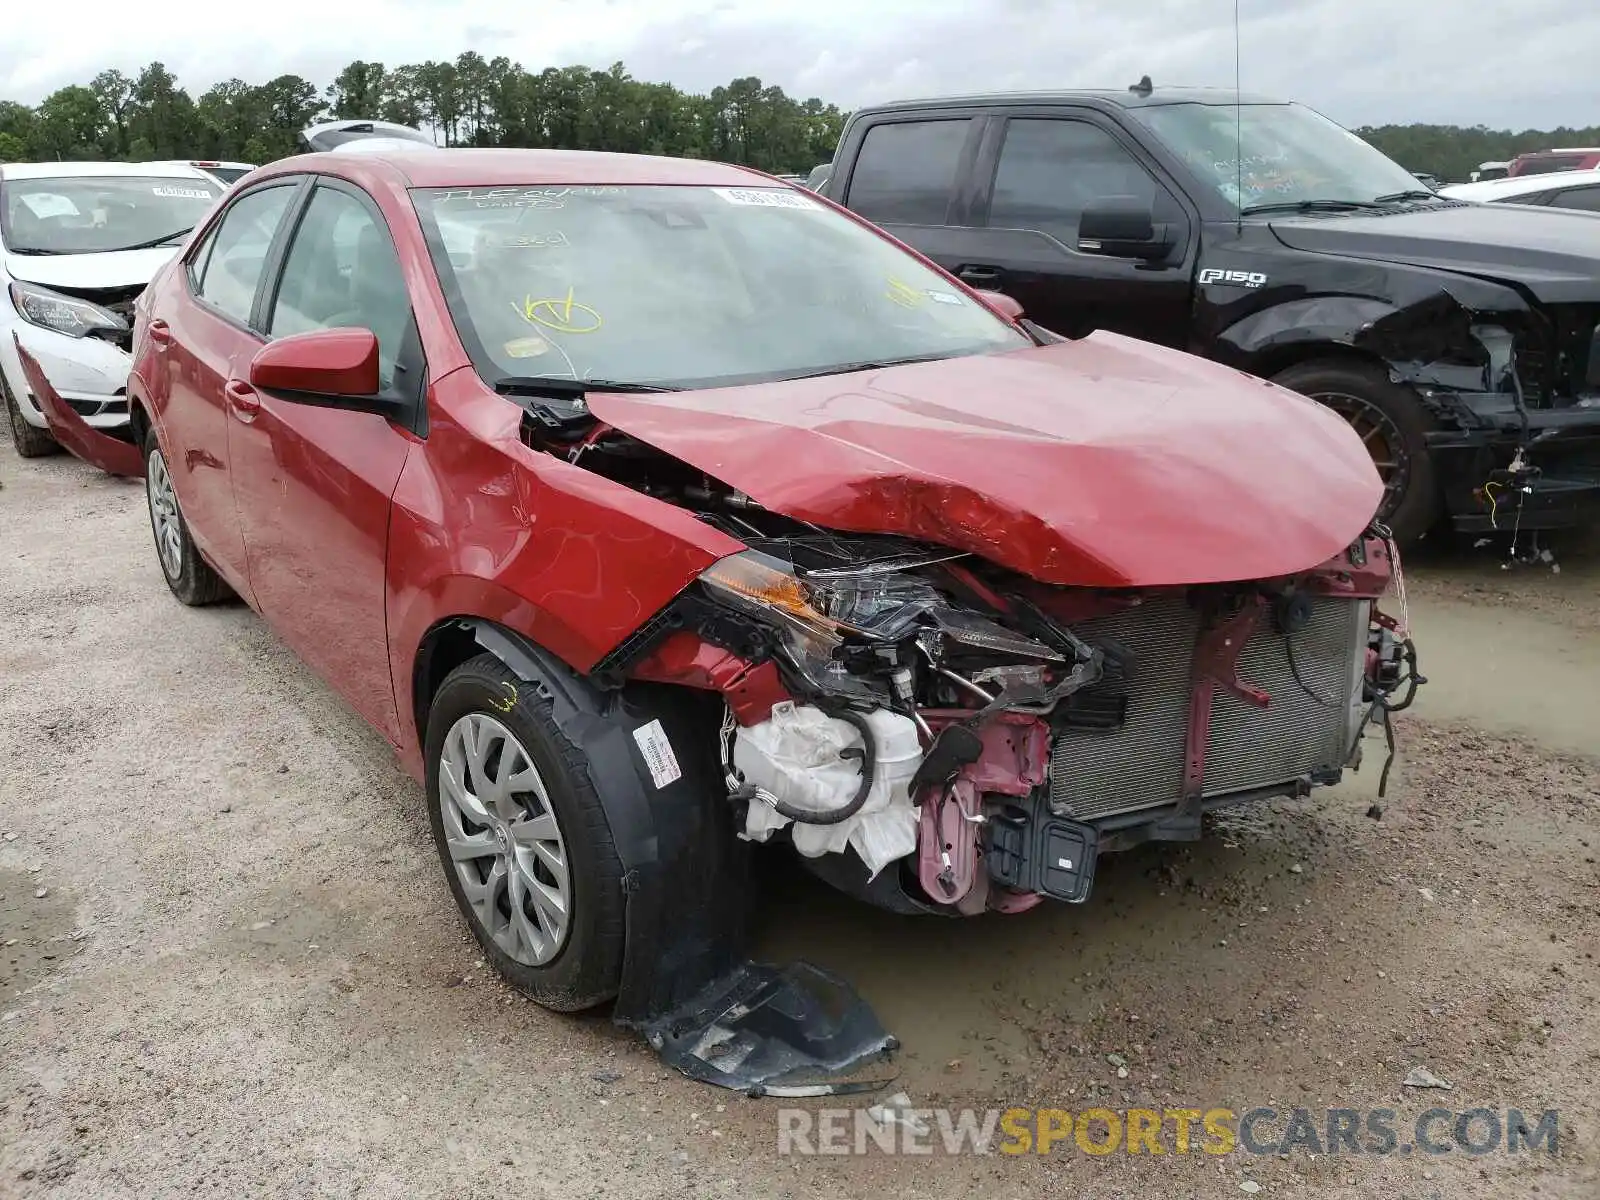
<point x="523" y="838"/>
<point x="29" y="439"/>
<point x="1393" y="425"/>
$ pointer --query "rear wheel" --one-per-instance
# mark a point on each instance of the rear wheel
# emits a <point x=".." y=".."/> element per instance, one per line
<point x="29" y="439"/>
<point x="188" y="574"/>
<point x="1393" y="425"/>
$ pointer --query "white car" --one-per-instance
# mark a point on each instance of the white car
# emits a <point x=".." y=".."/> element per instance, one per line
<point x="225" y="173"/>
<point x="363" y="136"/>
<point x="78" y="243"/>
<point x="1557" y="189"/>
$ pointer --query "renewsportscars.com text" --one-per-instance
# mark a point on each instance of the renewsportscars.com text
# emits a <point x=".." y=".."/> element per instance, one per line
<point x="1215" y="1131"/>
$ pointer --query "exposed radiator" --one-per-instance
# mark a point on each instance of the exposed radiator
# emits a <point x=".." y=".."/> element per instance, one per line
<point x="1097" y="773"/>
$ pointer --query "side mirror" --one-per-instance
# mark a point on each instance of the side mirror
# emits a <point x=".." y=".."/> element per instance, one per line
<point x="1123" y="230"/>
<point x="1006" y="307"/>
<point x="334" y="368"/>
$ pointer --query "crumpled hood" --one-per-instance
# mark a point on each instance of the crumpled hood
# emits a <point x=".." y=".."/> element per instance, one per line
<point x="113" y="269"/>
<point x="1555" y="253"/>
<point x="1106" y="462"/>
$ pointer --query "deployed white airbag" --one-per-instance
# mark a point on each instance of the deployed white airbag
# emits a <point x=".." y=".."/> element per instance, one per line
<point x="795" y="756"/>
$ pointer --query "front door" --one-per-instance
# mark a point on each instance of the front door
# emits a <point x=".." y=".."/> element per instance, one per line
<point x="313" y="484"/>
<point x="1043" y="171"/>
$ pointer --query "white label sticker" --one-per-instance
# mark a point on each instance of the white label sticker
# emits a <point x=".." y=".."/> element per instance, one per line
<point x="765" y="198"/>
<point x="944" y="297"/>
<point x="183" y="192"/>
<point x="658" y="755"/>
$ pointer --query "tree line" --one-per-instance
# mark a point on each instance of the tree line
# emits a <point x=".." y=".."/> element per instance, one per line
<point x="469" y="102"/>
<point x="475" y="101"/>
<point x="1452" y="152"/>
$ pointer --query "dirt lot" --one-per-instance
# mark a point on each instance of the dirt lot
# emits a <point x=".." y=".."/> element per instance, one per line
<point x="230" y="964"/>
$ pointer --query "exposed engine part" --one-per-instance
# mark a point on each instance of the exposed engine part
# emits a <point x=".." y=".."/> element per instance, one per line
<point x="797" y="766"/>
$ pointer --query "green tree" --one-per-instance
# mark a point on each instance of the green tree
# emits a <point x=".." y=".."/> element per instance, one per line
<point x="69" y="124"/>
<point x="358" y="90"/>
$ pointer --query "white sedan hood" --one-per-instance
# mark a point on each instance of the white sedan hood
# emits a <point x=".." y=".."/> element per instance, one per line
<point x="113" y="269"/>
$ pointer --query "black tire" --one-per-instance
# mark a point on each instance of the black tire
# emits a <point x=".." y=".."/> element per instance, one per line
<point x="194" y="583"/>
<point x="1382" y="411"/>
<point x="587" y="968"/>
<point x="30" y="440"/>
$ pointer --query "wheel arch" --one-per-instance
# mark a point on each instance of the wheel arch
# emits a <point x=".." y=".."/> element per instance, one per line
<point x="686" y="876"/>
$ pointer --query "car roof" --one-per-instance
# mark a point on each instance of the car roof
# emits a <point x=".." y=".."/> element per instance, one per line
<point x="1521" y="185"/>
<point x="444" y="168"/>
<point x="102" y="170"/>
<point x="1097" y="97"/>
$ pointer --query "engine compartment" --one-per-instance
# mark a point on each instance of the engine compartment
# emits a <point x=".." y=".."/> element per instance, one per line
<point x="907" y="705"/>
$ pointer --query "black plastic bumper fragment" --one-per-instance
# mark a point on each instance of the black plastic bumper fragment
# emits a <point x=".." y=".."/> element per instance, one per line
<point x="685" y="980"/>
<point x="795" y="1030"/>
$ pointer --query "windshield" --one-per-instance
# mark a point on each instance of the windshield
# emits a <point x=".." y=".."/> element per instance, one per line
<point x="686" y="286"/>
<point x="229" y="174"/>
<point x="1290" y="154"/>
<point x="87" y="214"/>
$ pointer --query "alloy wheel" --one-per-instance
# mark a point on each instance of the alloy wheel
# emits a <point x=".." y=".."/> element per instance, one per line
<point x="1383" y="440"/>
<point x="504" y="840"/>
<point x="164" y="514"/>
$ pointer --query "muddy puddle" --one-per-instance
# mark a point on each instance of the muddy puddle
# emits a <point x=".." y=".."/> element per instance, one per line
<point x="35" y="932"/>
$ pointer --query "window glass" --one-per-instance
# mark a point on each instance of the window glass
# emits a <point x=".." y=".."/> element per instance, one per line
<point x="1051" y="170"/>
<point x="686" y="286"/>
<point x="906" y="171"/>
<point x="342" y="272"/>
<point x="1586" y="198"/>
<point x="1265" y="155"/>
<point x="238" y="252"/>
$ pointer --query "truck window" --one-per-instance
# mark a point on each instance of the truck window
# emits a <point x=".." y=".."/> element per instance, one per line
<point x="906" y="171"/>
<point x="1050" y="170"/>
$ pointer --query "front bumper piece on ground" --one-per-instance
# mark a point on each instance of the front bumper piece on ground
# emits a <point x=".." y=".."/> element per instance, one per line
<point x="113" y="455"/>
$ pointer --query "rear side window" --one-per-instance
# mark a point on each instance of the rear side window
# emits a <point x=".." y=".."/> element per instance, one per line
<point x="1549" y="164"/>
<point x="1586" y="198"/>
<point x="1051" y="170"/>
<point x="229" y="267"/>
<point x="906" y="171"/>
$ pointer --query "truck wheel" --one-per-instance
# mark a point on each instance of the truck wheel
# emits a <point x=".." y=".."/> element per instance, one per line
<point x="1393" y="424"/>
<point x="30" y="440"/>
<point x="523" y="838"/>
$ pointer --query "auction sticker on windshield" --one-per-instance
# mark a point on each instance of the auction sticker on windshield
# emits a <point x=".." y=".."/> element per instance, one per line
<point x="765" y="198"/>
<point x="184" y="192"/>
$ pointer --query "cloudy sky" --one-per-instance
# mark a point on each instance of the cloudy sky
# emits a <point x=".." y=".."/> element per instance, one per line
<point x="1526" y="64"/>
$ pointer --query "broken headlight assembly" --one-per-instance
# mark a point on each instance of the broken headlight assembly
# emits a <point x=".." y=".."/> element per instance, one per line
<point x="64" y="314"/>
<point x="891" y="638"/>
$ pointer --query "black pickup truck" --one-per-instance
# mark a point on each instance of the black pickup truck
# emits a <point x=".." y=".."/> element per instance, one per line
<point x="1461" y="340"/>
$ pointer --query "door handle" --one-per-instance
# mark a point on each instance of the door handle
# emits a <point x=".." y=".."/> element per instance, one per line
<point x="980" y="277"/>
<point x="242" y="399"/>
<point x="160" y="334"/>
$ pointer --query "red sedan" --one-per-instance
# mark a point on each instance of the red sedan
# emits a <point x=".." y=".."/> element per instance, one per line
<point x="654" y="508"/>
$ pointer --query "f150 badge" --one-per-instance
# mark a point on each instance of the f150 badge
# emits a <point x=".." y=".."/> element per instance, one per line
<point x="1249" y="279"/>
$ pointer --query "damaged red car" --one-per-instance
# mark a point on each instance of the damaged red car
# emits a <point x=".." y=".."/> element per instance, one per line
<point x="653" y="509"/>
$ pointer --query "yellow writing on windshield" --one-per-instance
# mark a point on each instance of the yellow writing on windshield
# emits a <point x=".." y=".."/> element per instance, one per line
<point x="563" y="315"/>
<point x="904" y="294"/>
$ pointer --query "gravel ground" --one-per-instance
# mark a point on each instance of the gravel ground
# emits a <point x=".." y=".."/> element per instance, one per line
<point x="229" y="962"/>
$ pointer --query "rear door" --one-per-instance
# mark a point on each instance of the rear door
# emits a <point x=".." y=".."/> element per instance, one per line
<point x="911" y="174"/>
<point x="206" y="340"/>
<point x="313" y="485"/>
<point x="1038" y="171"/>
